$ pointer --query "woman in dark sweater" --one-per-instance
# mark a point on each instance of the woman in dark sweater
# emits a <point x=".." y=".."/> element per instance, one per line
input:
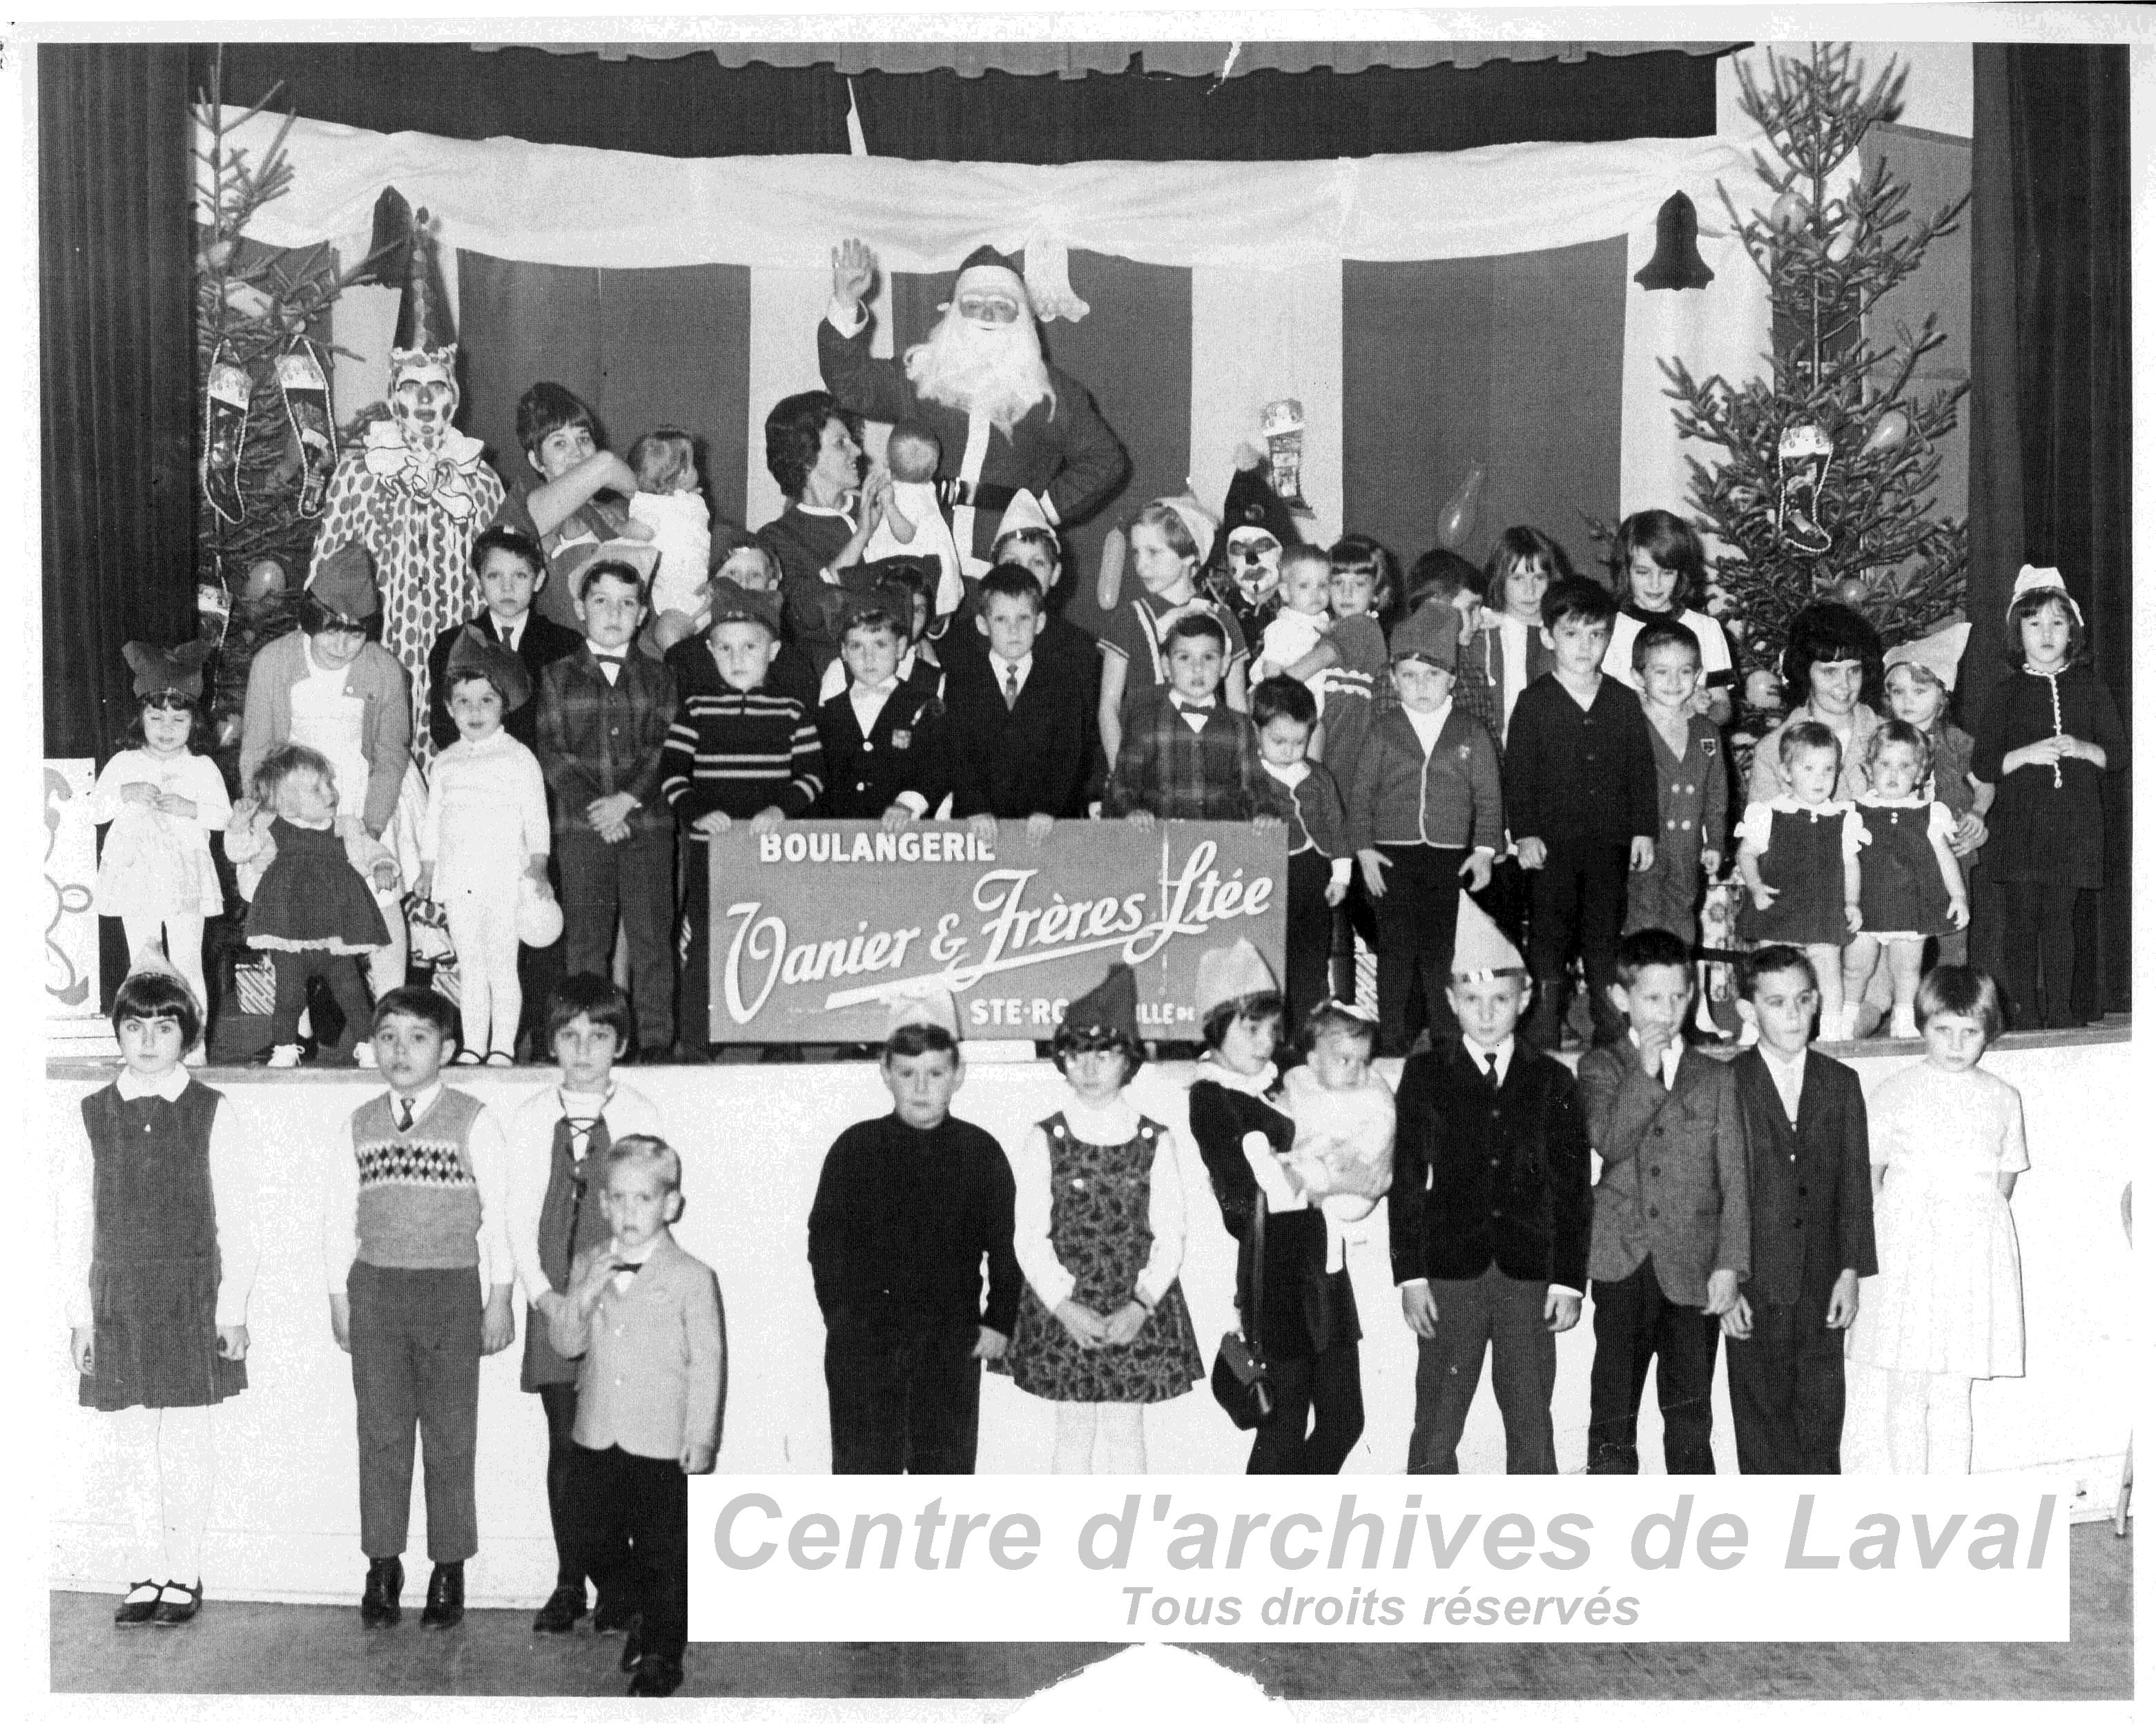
<point x="812" y="447"/>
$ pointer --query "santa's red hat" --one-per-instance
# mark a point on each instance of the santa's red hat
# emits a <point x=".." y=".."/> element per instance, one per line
<point x="986" y="270"/>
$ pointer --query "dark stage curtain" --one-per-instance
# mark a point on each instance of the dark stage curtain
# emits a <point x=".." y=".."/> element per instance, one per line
<point x="116" y="375"/>
<point x="693" y="107"/>
<point x="2051" y="419"/>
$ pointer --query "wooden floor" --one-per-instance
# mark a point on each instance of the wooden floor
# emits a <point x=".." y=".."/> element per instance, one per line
<point x="254" y="1647"/>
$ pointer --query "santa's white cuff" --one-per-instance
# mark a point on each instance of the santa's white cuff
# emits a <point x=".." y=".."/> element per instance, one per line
<point x="846" y="320"/>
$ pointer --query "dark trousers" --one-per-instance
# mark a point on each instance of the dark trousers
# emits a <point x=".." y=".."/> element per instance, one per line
<point x="903" y="1405"/>
<point x="1504" y="1316"/>
<point x="1576" y="905"/>
<point x="559" y="1403"/>
<point x="415" y="1370"/>
<point x="2036" y="956"/>
<point x="1785" y="1387"/>
<point x="692" y="994"/>
<point x="1327" y="1386"/>
<point x="1505" y="899"/>
<point x="1417" y="915"/>
<point x="633" y="883"/>
<point x="1309" y="935"/>
<point x="1635" y="1323"/>
<point x="538" y="971"/>
<point x="347" y="988"/>
<point x="633" y="1517"/>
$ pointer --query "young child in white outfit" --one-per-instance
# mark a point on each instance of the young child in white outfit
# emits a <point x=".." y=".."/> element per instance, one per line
<point x="485" y="841"/>
<point x="669" y="501"/>
<point x="1302" y="621"/>
<point x="1342" y="1113"/>
<point x="913" y="525"/>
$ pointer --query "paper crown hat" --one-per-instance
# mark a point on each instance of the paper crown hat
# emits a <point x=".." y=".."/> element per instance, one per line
<point x="1938" y="653"/>
<point x="1110" y="1009"/>
<point x="410" y="265"/>
<point x="1480" y="950"/>
<point x="731" y="603"/>
<point x="2044" y="581"/>
<point x="923" y="1007"/>
<point x="472" y="655"/>
<point x="159" y="671"/>
<point x="1252" y="503"/>
<point x="1430" y="633"/>
<point x="344" y="583"/>
<point x="641" y="556"/>
<point x="1230" y="974"/>
<point x="1024" y="511"/>
<point x="1199" y="519"/>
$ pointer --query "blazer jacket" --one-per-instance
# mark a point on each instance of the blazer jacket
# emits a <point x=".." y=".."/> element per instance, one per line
<point x="1675" y="1179"/>
<point x="1811" y="1185"/>
<point x="543" y="642"/>
<point x="902" y="752"/>
<point x="1040" y="757"/>
<point x="654" y="1379"/>
<point x="1482" y="1178"/>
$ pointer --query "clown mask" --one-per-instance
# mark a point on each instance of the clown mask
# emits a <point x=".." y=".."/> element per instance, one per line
<point x="424" y="395"/>
<point x="1254" y="558"/>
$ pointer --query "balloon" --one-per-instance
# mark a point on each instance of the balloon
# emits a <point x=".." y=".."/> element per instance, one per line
<point x="1790" y="211"/>
<point x="1890" y="434"/>
<point x="1110" y="585"/>
<point x="1456" y="521"/>
<point x="1853" y="591"/>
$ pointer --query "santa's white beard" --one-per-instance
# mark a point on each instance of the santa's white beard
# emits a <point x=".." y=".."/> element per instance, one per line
<point x="996" y="371"/>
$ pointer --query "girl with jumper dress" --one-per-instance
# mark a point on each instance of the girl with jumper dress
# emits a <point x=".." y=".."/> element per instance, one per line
<point x="1798" y="855"/>
<point x="2048" y="735"/>
<point x="1947" y="1144"/>
<point x="157" y="1254"/>
<point x="485" y="841"/>
<point x="312" y="910"/>
<point x="1912" y="885"/>
<point x="1102" y="1328"/>
<point x="163" y="799"/>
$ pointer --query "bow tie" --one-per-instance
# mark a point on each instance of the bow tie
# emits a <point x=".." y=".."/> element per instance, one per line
<point x="1183" y="706"/>
<point x="628" y="1266"/>
<point x="609" y="659"/>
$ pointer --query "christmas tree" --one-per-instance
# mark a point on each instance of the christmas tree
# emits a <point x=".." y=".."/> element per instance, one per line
<point x="1822" y="487"/>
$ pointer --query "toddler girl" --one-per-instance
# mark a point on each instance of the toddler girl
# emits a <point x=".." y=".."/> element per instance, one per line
<point x="2049" y="733"/>
<point x="668" y="501"/>
<point x="1343" y="1156"/>
<point x="485" y="841"/>
<point x="157" y="1253"/>
<point x="157" y="876"/>
<point x="1660" y="571"/>
<point x="1920" y="684"/>
<point x="1798" y="855"/>
<point x="1347" y="657"/>
<point x="1102" y="1327"/>
<point x="1947" y="1144"/>
<point x="1913" y="887"/>
<point x="312" y="910"/>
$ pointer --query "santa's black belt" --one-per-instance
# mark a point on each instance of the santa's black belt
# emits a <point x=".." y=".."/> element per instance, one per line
<point x="979" y="494"/>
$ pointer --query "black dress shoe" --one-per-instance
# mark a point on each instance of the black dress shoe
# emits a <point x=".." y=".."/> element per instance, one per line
<point x="632" y="1647"/>
<point x="138" y="1613"/>
<point x="178" y="1604"/>
<point x="378" y="1603"/>
<point x="561" y="1611"/>
<point x="445" y="1595"/>
<point x="655" y="1677"/>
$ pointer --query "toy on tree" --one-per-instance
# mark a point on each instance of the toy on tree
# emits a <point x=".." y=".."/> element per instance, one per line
<point x="1823" y="485"/>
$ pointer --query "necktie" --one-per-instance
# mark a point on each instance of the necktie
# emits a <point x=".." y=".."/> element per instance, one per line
<point x="403" y="1115"/>
<point x="1010" y="685"/>
<point x="1490" y="1068"/>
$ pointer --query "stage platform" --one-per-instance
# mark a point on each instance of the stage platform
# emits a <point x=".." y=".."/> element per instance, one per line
<point x="753" y="1138"/>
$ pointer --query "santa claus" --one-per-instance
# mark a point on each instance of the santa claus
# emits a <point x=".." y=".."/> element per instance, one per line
<point x="1006" y="419"/>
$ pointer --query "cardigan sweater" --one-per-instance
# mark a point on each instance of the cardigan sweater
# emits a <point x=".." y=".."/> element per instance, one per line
<point x="384" y="691"/>
<point x="1450" y="797"/>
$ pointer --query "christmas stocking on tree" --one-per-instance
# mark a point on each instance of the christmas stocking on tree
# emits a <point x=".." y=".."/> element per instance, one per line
<point x="1804" y="456"/>
<point x="224" y="430"/>
<point x="307" y="392"/>
<point x="1282" y="425"/>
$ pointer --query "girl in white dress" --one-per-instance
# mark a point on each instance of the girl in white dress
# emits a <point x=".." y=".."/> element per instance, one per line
<point x="1947" y="1144"/>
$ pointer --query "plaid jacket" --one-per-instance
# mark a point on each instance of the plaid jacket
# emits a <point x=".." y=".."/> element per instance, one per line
<point x="595" y="739"/>
<point x="1164" y="766"/>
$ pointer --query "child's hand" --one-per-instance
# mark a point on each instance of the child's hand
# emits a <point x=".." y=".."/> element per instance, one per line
<point x="139" y="792"/>
<point x="1841" y="1306"/>
<point x="1269" y="824"/>
<point x="615" y="835"/>
<point x="1721" y="1295"/>
<point x="1039" y="826"/>
<point x="1374" y="872"/>
<point x="1710" y="862"/>
<point x="1335" y="892"/>
<point x="634" y="530"/>
<point x="1643" y="852"/>
<point x="173" y="804"/>
<point x="611" y="811"/>
<point x="79" y="1339"/>
<point x="1418" y="1308"/>
<point x="384" y="873"/>
<point x="898" y="816"/>
<point x="1533" y="852"/>
<point x="698" y="1460"/>
<point x="1957" y="911"/>
<point x="983" y="828"/>
<point x="1855" y="914"/>
<point x="1560" y="1310"/>
<point x="1763" y="895"/>
<point x="585" y="1292"/>
<point x="535" y="873"/>
<point x="1969" y="833"/>
<point x="990" y="1345"/>
<point x="1476" y="870"/>
<point x="1124" y="1323"/>
<point x="1087" y="1327"/>
<point x="231" y="1343"/>
<point x="1140" y="819"/>
<point x="497" y="1325"/>
<point x="713" y="823"/>
<point x="1736" y="1323"/>
<point x="341" y="1322"/>
<point x="766" y="821"/>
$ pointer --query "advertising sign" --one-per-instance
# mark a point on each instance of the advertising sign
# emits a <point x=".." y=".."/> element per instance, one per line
<point x="818" y="927"/>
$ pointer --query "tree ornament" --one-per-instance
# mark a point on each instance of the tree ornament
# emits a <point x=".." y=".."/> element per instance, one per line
<point x="307" y="391"/>
<point x="225" y="396"/>
<point x="1790" y="211"/>
<point x="1281" y="423"/>
<point x="1804" y="457"/>
<point x="1676" y="262"/>
<point x="1852" y="592"/>
<point x="1455" y="522"/>
<point x="264" y="576"/>
<point x="1890" y="434"/>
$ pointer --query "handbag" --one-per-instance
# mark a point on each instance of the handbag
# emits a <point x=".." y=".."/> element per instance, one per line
<point x="1241" y="1385"/>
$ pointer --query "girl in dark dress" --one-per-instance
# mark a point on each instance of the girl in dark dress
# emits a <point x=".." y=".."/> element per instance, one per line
<point x="2049" y="734"/>
<point x="1306" y="1315"/>
<point x="157" y="1254"/>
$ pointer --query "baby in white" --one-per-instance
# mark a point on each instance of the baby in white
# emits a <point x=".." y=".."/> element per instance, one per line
<point x="913" y="525"/>
<point x="668" y="501"/>
<point x="1302" y="621"/>
<point x="1343" y="1115"/>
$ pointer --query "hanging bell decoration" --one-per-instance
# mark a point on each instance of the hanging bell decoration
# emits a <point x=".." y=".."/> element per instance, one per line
<point x="1890" y="434"/>
<point x="1455" y="522"/>
<point x="1676" y="262"/>
<point x="1790" y="211"/>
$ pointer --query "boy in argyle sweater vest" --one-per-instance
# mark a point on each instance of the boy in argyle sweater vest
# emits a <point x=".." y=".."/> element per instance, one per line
<point x="419" y="1274"/>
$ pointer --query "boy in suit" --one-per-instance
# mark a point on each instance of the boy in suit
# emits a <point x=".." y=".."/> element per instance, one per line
<point x="1584" y="800"/>
<point x="882" y="735"/>
<point x="1186" y="754"/>
<point x="1672" y="1224"/>
<point x="1811" y="1228"/>
<point x="1489" y="1210"/>
<point x="646" y="1319"/>
<point x="1304" y="795"/>
<point x="511" y="571"/>
<point x="1019" y="734"/>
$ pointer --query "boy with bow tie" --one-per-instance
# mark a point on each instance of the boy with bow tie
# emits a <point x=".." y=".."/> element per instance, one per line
<point x="1185" y="754"/>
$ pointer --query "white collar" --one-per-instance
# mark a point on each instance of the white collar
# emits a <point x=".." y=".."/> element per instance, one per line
<point x="1109" y="1123"/>
<point x="1211" y="1068"/>
<point x="1004" y="668"/>
<point x="422" y="1100"/>
<point x="1879" y="801"/>
<point x="168" y="1086"/>
<point x="1428" y="722"/>
<point x="1789" y="1064"/>
<point x="1292" y="776"/>
<point x="877" y="693"/>
<point x="807" y="509"/>
<point x="1788" y="805"/>
<point x="634" y="1258"/>
<point x="584" y="1103"/>
<point x="1502" y="1050"/>
<point x="513" y="631"/>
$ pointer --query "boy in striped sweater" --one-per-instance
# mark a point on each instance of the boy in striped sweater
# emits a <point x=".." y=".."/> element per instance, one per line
<point x="736" y="752"/>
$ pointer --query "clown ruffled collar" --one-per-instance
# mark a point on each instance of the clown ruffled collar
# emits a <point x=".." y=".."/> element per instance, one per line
<point x="442" y="476"/>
